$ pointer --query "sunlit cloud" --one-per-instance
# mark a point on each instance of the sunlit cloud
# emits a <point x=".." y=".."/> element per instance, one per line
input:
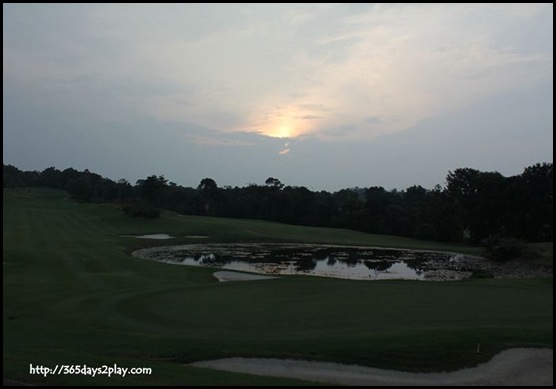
<point x="388" y="66"/>
<point x="285" y="150"/>
<point x="309" y="117"/>
<point x="287" y="121"/>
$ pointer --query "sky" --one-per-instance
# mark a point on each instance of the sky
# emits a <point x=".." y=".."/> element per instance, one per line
<point x="326" y="96"/>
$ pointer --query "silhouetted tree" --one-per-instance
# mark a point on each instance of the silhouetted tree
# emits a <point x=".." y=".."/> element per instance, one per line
<point x="80" y="188"/>
<point x="207" y="185"/>
<point x="274" y="182"/>
<point x="209" y="194"/>
<point x="152" y="188"/>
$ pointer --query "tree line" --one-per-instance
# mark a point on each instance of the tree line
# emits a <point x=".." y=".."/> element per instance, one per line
<point x="472" y="205"/>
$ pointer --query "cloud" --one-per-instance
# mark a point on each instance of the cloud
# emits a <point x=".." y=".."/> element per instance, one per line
<point x="373" y="120"/>
<point x="208" y="141"/>
<point x="285" y="150"/>
<point x="280" y="70"/>
<point x="309" y="117"/>
<point x="345" y="131"/>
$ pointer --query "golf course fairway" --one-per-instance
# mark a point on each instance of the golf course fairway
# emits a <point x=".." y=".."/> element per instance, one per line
<point x="73" y="295"/>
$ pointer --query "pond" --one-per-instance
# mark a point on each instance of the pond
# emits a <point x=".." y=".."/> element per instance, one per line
<point x="349" y="262"/>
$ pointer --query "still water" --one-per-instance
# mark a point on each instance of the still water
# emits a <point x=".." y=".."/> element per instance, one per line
<point x="358" y="263"/>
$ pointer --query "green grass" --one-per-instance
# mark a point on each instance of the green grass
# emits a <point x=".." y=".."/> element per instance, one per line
<point x="73" y="295"/>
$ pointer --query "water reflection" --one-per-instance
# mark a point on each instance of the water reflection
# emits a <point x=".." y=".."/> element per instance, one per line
<point x="329" y="261"/>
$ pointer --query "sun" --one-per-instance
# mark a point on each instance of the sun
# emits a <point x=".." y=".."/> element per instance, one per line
<point x="284" y="123"/>
<point x="282" y="131"/>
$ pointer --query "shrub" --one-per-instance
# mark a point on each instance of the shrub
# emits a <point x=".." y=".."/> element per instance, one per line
<point x="502" y="249"/>
<point x="481" y="273"/>
<point x="425" y="231"/>
<point x="141" y="210"/>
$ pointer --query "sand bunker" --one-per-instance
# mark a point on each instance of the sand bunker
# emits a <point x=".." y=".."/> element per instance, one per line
<point x="523" y="366"/>
<point x="152" y="236"/>
<point x="165" y="236"/>
<point x="226" y="276"/>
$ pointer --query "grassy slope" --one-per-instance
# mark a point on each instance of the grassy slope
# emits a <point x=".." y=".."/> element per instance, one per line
<point x="72" y="295"/>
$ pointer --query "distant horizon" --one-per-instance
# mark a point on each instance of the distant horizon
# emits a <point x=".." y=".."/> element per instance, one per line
<point x="327" y="96"/>
<point x="262" y="182"/>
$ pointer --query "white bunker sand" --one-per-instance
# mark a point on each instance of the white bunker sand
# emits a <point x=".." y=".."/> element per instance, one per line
<point x="166" y="236"/>
<point x="153" y="236"/>
<point x="519" y="366"/>
<point x="226" y="276"/>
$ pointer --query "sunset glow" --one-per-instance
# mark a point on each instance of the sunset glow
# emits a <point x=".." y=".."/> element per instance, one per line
<point x="285" y="122"/>
<point x="281" y="132"/>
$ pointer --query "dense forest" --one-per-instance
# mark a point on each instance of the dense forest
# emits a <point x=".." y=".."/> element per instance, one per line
<point x="472" y="205"/>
